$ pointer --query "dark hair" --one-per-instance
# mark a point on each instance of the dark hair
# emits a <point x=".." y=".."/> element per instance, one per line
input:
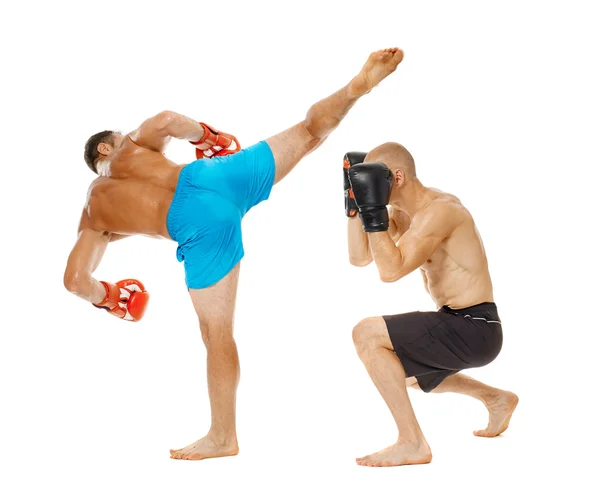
<point x="90" y="155"/>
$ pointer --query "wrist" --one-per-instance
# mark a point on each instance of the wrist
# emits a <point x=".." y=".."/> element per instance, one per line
<point x="196" y="134"/>
<point x="101" y="294"/>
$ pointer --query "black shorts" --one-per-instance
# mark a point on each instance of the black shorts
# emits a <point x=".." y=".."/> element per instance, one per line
<point x="434" y="345"/>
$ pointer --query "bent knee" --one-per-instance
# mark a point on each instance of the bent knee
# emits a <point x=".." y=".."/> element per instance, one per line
<point x="370" y="332"/>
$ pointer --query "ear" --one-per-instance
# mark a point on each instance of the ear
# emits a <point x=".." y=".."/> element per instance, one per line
<point x="398" y="177"/>
<point x="104" y="149"/>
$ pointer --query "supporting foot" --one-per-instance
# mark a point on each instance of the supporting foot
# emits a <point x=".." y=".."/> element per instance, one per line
<point x="205" y="448"/>
<point x="399" y="454"/>
<point x="501" y="406"/>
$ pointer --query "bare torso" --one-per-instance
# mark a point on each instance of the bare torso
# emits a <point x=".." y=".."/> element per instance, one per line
<point x="133" y="193"/>
<point x="457" y="273"/>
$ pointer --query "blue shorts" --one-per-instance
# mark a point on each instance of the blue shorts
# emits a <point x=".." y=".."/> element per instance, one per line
<point x="205" y="217"/>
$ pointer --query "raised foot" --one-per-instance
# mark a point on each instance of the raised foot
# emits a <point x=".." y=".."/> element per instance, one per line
<point x="398" y="455"/>
<point x="378" y="66"/>
<point x="205" y="448"/>
<point x="501" y="407"/>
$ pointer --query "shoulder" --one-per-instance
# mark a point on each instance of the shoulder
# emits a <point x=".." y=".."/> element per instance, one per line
<point x="443" y="214"/>
<point x="97" y="186"/>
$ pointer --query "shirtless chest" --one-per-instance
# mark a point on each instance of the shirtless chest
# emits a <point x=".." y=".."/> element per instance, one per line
<point x="456" y="274"/>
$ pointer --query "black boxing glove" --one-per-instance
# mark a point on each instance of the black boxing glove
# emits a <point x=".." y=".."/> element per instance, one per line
<point x="351" y="158"/>
<point x="372" y="187"/>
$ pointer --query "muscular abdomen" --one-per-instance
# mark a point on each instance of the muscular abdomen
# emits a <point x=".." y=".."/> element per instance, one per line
<point x="457" y="274"/>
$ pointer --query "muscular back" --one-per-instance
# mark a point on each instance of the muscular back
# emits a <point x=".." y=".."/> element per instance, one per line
<point x="133" y="193"/>
<point x="457" y="273"/>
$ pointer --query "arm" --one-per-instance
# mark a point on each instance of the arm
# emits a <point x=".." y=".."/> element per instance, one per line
<point x="83" y="261"/>
<point x="359" y="249"/>
<point x="359" y="252"/>
<point x="427" y="231"/>
<point x="127" y="299"/>
<point x="156" y="132"/>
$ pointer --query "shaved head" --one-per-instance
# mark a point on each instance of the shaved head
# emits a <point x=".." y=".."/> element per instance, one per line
<point x="395" y="156"/>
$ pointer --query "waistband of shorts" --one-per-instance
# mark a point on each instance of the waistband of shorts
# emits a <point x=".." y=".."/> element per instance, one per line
<point x="485" y="310"/>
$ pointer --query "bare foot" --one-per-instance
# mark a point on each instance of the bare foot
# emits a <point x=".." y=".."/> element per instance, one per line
<point x="204" y="449"/>
<point x="501" y="407"/>
<point x="398" y="455"/>
<point x="378" y="66"/>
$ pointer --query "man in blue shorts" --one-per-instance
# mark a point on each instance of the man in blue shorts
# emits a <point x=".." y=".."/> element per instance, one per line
<point x="200" y="206"/>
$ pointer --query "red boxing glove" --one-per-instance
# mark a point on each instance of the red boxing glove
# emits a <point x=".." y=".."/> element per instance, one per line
<point x="127" y="299"/>
<point x="219" y="143"/>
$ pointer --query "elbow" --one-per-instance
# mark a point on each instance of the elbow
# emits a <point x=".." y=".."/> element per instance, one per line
<point x="165" y="119"/>
<point x="72" y="280"/>
<point x="389" y="277"/>
<point x="360" y="262"/>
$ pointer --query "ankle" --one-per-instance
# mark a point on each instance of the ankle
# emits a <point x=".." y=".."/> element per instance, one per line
<point x="414" y="440"/>
<point x="222" y="438"/>
<point x="489" y="396"/>
<point x="357" y="88"/>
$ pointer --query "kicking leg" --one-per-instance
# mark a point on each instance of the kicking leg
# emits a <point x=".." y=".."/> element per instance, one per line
<point x="376" y="352"/>
<point x="215" y="308"/>
<point x="500" y="403"/>
<point x="290" y="146"/>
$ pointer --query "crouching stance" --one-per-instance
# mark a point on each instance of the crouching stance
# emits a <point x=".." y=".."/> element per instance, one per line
<point x="403" y="225"/>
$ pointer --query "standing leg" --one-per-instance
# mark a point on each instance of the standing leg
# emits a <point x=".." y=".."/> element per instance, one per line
<point x="215" y="308"/>
<point x="291" y="145"/>
<point x="500" y="403"/>
<point x="376" y="352"/>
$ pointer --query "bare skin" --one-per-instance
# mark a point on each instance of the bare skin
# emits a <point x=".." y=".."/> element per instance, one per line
<point x="132" y="196"/>
<point x="432" y="231"/>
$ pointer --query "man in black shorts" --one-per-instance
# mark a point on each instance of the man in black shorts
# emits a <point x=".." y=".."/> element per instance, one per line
<point x="430" y="230"/>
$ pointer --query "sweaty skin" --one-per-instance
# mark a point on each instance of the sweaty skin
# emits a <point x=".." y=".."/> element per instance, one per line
<point x="432" y="231"/>
<point x="132" y="195"/>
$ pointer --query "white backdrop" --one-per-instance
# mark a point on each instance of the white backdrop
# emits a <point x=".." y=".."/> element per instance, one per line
<point x="497" y="101"/>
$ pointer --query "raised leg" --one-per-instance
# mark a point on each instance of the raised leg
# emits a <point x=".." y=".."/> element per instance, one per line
<point x="499" y="403"/>
<point x="291" y="145"/>
<point x="215" y="308"/>
<point x="375" y="349"/>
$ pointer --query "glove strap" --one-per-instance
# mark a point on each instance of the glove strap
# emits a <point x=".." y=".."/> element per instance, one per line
<point x="220" y="143"/>
<point x="102" y="304"/>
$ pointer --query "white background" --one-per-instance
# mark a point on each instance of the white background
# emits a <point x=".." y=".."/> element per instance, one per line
<point x="497" y="101"/>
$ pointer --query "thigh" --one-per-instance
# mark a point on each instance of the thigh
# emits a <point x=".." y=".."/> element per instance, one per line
<point x="215" y="305"/>
<point x="290" y="146"/>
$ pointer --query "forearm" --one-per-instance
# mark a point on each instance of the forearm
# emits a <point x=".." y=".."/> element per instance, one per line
<point x="387" y="256"/>
<point x="359" y="252"/>
<point x="83" y="261"/>
<point x="325" y="116"/>
<point x="182" y="127"/>
<point x="85" y="286"/>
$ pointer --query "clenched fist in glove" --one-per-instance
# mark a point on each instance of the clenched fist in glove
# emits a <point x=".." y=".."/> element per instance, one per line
<point x="127" y="299"/>
<point x="372" y="186"/>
